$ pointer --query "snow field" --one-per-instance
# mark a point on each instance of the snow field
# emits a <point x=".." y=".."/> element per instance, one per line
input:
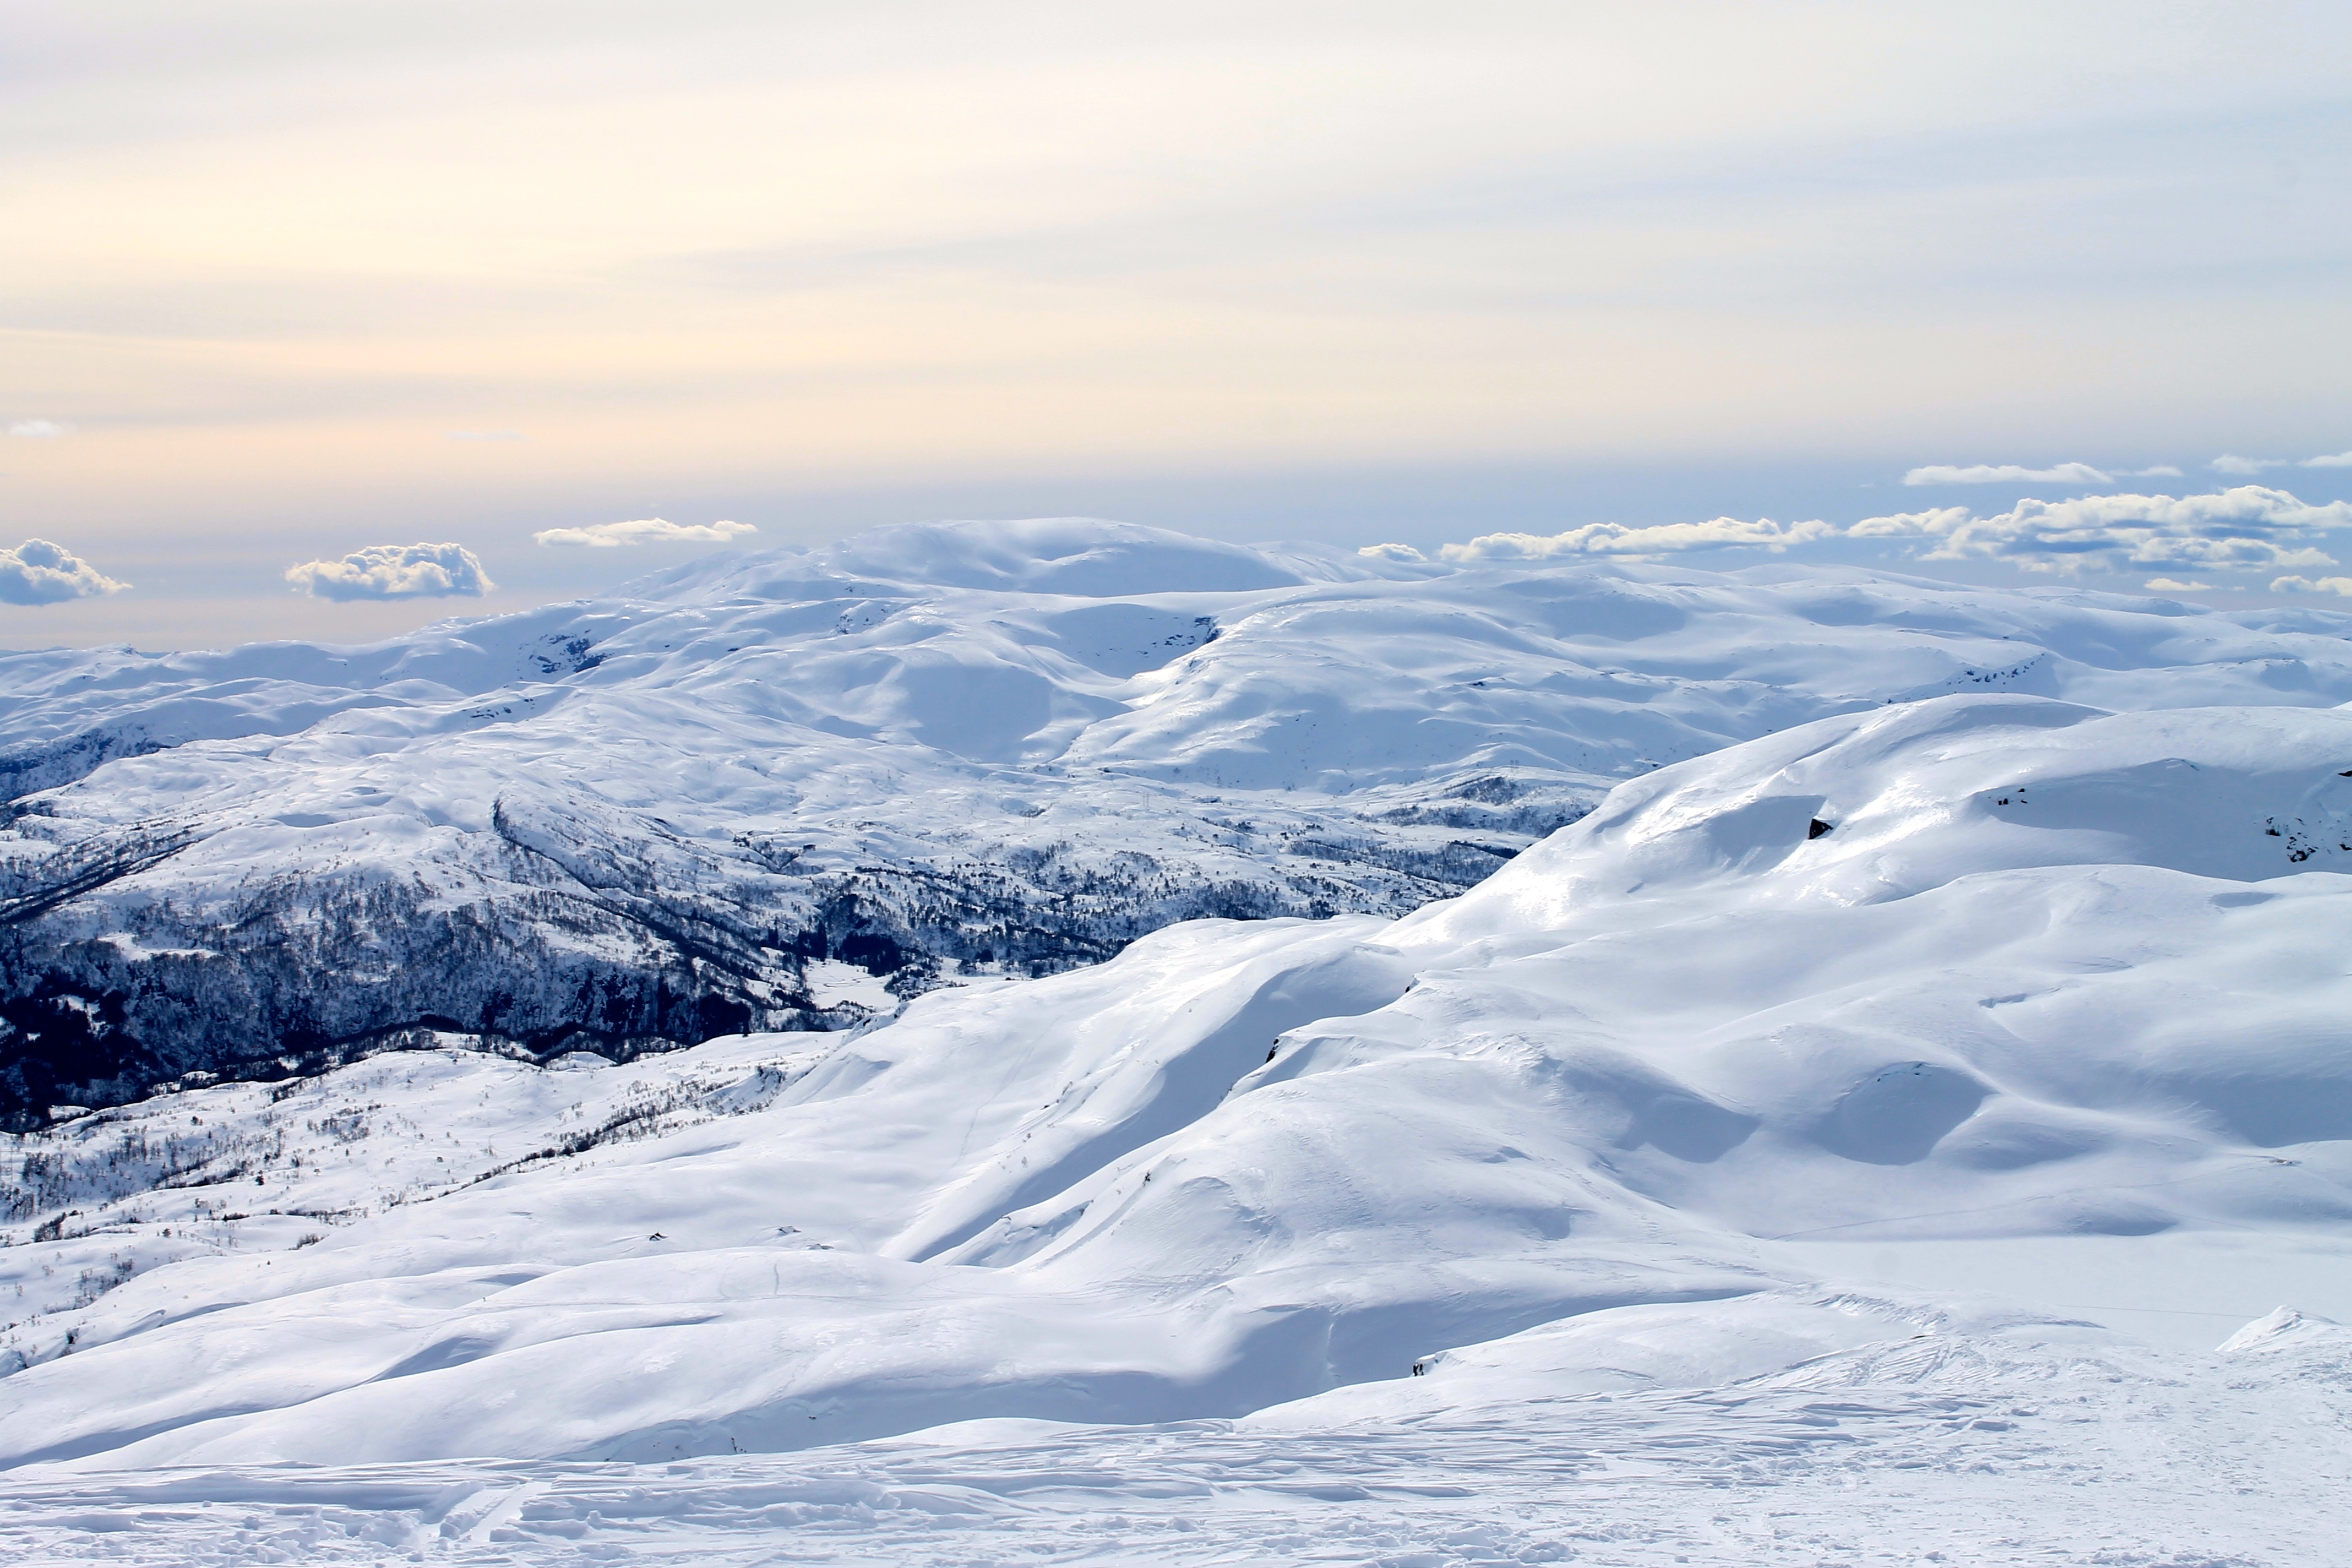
<point x="1966" y="1443"/>
<point x="245" y="1169"/>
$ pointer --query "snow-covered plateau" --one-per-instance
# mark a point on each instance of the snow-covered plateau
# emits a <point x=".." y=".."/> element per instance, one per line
<point x="1877" y="1127"/>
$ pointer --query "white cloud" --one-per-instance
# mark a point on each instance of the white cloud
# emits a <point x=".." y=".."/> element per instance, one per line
<point x="643" y="531"/>
<point x="2337" y="460"/>
<point x="2006" y="474"/>
<point x="2161" y="471"/>
<point x="395" y="572"/>
<point x="39" y="429"/>
<point x="2230" y="463"/>
<point x="39" y="573"/>
<point x="1391" y="553"/>
<point x="2247" y="527"/>
<point x="485" y="436"/>
<point x="2305" y="585"/>
<point x="2169" y="585"/>
<point x="1616" y="539"/>
<point x="1932" y="524"/>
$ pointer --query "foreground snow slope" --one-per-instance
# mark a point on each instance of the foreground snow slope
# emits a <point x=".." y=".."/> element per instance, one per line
<point x="1973" y="967"/>
<point x="1975" y="1441"/>
<point x="727" y="795"/>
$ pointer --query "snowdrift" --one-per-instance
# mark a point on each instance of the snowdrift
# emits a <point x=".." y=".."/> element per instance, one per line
<point x="1920" y="974"/>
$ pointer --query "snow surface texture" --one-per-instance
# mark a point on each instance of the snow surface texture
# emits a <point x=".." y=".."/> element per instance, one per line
<point x="1989" y="1449"/>
<point x="1577" y="1217"/>
<point x="738" y="794"/>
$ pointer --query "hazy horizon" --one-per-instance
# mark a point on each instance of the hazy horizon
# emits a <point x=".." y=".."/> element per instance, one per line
<point x="290" y="285"/>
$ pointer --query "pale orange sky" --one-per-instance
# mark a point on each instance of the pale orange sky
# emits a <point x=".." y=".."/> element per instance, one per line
<point x="269" y="261"/>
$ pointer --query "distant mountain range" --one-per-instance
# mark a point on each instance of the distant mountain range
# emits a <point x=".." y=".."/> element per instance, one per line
<point x="787" y="790"/>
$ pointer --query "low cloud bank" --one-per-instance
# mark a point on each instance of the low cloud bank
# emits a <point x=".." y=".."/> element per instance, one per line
<point x="2306" y="585"/>
<point x="395" y="572"/>
<point x="39" y="429"/>
<point x="2230" y="463"/>
<point x="2025" y="474"/>
<point x="2248" y="528"/>
<point x="2007" y="473"/>
<point x="39" y="573"/>
<point x="642" y="531"/>
<point x="1616" y="539"/>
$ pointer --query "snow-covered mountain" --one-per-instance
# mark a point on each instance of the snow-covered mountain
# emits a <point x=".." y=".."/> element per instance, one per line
<point x="1984" y="967"/>
<point x="1878" y="1128"/>
<point x="750" y="794"/>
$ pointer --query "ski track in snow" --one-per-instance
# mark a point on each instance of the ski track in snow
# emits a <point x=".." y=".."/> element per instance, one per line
<point x="1848" y="1145"/>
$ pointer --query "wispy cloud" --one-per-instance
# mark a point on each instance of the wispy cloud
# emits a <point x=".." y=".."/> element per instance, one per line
<point x="2306" y="585"/>
<point x="39" y="429"/>
<point x="395" y="572"/>
<point x="2008" y="474"/>
<point x="39" y="573"/>
<point x="2244" y="529"/>
<point x="642" y="531"/>
<point x="2230" y="463"/>
<point x="2171" y="585"/>
<point x="2160" y="471"/>
<point x="484" y="436"/>
<point x="2336" y="460"/>
<point x="1616" y="539"/>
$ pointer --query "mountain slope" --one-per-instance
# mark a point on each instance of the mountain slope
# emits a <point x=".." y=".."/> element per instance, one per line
<point x="1667" y="1056"/>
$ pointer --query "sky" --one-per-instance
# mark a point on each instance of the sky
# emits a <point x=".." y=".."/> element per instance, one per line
<point x="329" y="321"/>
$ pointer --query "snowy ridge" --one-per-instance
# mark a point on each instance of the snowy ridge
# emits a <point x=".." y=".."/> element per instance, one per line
<point x="930" y="752"/>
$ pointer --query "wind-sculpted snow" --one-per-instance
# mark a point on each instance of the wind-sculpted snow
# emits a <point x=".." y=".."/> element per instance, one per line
<point x="1621" y="1154"/>
<point x="723" y="797"/>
